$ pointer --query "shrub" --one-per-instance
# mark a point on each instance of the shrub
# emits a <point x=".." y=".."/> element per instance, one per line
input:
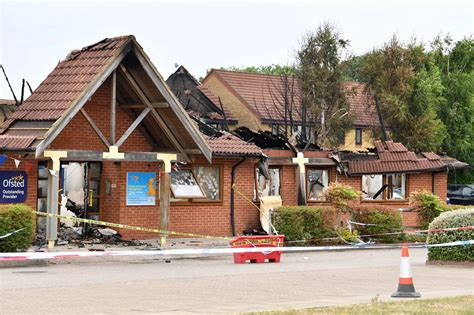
<point x="450" y="219"/>
<point x="428" y="205"/>
<point x="340" y="195"/>
<point x="386" y="220"/>
<point x="12" y="218"/>
<point x="301" y="223"/>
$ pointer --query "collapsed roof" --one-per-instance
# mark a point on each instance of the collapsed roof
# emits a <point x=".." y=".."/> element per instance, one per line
<point x="390" y="157"/>
<point x="197" y="100"/>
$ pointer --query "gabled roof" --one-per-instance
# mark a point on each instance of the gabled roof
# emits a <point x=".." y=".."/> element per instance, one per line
<point x="264" y="94"/>
<point x="391" y="157"/>
<point x="196" y="99"/>
<point x="74" y="80"/>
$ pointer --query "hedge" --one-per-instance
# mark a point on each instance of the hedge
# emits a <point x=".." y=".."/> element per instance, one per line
<point x="386" y="220"/>
<point x="305" y="223"/>
<point x="450" y="219"/>
<point x="14" y="217"/>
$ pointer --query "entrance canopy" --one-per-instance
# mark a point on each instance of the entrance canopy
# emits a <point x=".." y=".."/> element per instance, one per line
<point x="136" y="87"/>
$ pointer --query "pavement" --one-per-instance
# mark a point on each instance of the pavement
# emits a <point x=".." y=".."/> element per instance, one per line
<point x="215" y="285"/>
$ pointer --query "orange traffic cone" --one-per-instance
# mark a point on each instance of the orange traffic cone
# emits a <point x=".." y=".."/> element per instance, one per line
<point x="406" y="289"/>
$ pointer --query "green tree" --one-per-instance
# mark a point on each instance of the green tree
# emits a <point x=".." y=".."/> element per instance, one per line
<point x="456" y="60"/>
<point x="320" y="72"/>
<point x="272" y="69"/>
<point x="411" y="91"/>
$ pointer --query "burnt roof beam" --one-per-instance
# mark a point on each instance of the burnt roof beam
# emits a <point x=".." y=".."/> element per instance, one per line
<point x="174" y="103"/>
<point x="154" y="113"/>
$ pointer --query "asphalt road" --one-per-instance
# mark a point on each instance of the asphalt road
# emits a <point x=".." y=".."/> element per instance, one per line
<point x="215" y="285"/>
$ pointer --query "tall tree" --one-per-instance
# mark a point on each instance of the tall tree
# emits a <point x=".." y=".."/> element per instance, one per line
<point x="320" y="73"/>
<point x="456" y="62"/>
<point x="411" y="91"/>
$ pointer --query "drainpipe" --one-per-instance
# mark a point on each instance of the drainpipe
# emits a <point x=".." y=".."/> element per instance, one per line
<point x="232" y="182"/>
<point x="433" y="183"/>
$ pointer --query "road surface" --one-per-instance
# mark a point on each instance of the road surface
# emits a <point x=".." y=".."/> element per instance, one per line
<point x="215" y="285"/>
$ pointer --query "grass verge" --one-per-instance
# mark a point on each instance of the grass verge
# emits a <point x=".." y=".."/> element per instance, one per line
<point x="452" y="305"/>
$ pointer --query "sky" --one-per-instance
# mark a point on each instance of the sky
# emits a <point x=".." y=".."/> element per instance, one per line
<point x="36" y="35"/>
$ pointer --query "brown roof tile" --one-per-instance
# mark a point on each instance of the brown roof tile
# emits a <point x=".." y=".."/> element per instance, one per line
<point x="394" y="157"/>
<point x="263" y="94"/>
<point x="15" y="142"/>
<point x="67" y="81"/>
<point x="229" y="144"/>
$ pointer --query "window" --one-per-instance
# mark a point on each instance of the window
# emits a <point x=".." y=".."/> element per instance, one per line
<point x="396" y="186"/>
<point x="199" y="184"/>
<point x="358" y="136"/>
<point x="384" y="187"/>
<point x="316" y="182"/>
<point x="42" y="203"/>
<point x="209" y="178"/>
<point x="275" y="130"/>
<point x="372" y="187"/>
<point x="268" y="186"/>
<point x="341" y="138"/>
<point x="94" y="177"/>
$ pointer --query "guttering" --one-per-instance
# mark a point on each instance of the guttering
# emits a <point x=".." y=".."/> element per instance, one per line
<point x="17" y="150"/>
<point x="232" y="197"/>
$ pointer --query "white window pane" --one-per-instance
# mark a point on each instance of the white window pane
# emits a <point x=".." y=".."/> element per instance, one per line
<point x="397" y="184"/>
<point x="317" y="182"/>
<point x="268" y="187"/>
<point x="371" y="185"/>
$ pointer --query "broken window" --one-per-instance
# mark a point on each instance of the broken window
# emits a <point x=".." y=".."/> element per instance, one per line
<point x="396" y="185"/>
<point x="268" y="186"/>
<point x="372" y="187"/>
<point x="42" y="205"/>
<point x="210" y="180"/>
<point x="384" y="187"/>
<point x="316" y="182"/>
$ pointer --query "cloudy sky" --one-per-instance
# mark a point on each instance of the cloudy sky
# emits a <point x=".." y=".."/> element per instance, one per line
<point x="35" y="35"/>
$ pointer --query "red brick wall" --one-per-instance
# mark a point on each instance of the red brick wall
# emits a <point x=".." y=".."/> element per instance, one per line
<point x="209" y="218"/>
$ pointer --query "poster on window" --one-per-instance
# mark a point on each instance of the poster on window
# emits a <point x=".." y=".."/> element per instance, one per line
<point x="141" y="188"/>
<point x="14" y="186"/>
<point x="185" y="185"/>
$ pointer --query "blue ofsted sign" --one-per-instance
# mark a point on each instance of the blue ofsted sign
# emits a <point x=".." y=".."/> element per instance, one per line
<point x="14" y="186"/>
<point x="141" y="188"/>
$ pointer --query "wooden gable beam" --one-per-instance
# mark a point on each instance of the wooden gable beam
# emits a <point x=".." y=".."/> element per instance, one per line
<point x="94" y="126"/>
<point x="154" y="104"/>
<point x="113" y="107"/>
<point x="132" y="127"/>
<point x="154" y="113"/>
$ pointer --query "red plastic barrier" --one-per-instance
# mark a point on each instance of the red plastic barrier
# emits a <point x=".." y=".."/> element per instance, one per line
<point x="257" y="241"/>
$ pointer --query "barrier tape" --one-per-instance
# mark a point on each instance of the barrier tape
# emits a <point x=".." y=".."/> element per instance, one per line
<point x="152" y="230"/>
<point x="461" y="228"/>
<point x="11" y="233"/>
<point x="212" y="251"/>
<point x="128" y="227"/>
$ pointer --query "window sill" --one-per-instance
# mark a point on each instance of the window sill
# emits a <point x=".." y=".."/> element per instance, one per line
<point x="386" y="201"/>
